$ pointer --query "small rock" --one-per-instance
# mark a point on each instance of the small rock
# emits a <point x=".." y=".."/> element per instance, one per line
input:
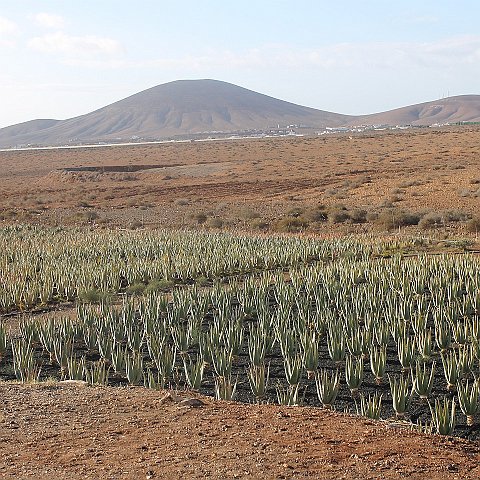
<point x="191" y="402"/>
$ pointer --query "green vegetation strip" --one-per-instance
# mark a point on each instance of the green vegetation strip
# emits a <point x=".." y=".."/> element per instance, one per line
<point x="44" y="266"/>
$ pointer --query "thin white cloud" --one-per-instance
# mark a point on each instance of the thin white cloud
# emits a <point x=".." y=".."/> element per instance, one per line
<point x="73" y="47"/>
<point x="97" y="52"/>
<point x="463" y="49"/>
<point x="7" y="26"/>
<point x="8" y="32"/>
<point x="49" y="20"/>
<point x="448" y="52"/>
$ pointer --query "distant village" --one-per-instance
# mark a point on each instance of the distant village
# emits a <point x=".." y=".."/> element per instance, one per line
<point x="293" y="130"/>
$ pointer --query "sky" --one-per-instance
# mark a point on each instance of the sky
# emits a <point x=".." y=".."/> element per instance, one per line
<point x="63" y="58"/>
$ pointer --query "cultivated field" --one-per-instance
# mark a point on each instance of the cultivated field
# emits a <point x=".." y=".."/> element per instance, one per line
<point x="142" y="352"/>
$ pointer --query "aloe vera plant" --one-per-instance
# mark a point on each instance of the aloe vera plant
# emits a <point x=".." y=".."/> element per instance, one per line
<point x="443" y="416"/>
<point x="134" y="368"/>
<point x="289" y="396"/>
<point x="222" y="363"/>
<point x="382" y="333"/>
<point x="3" y="342"/>
<point x="205" y="348"/>
<point x="451" y="369"/>
<point x="460" y="330"/>
<point x="468" y="395"/>
<point x="26" y="368"/>
<point x="135" y="339"/>
<point x="180" y="339"/>
<point x="225" y="388"/>
<point x="97" y="373"/>
<point x="63" y="350"/>
<point x="105" y="344"/>
<point x="293" y="369"/>
<point x="355" y="342"/>
<point x="233" y="337"/>
<point x="423" y="340"/>
<point x="443" y="335"/>
<point x="258" y="376"/>
<point x="466" y="358"/>
<point x="310" y="355"/>
<point x="406" y="352"/>
<point x="423" y="427"/>
<point x="257" y="346"/>
<point x="327" y="387"/>
<point x="378" y="362"/>
<point x="354" y="374"/>
<point x="194" y="372"/>
<point x="117" y="358"/>
<point x="336" y="344"/>
<point x="422" y="379"/>
<point x="165" y="363"/>
<point x="399" y="389"/>
<point x="76" y="368"/>
<point x="370" y="407"/>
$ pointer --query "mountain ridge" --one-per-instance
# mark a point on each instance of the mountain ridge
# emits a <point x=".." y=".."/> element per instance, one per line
<point x="192" y="107"/>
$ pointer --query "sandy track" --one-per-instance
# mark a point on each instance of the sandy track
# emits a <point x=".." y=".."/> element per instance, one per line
<point x="65" y="431"/>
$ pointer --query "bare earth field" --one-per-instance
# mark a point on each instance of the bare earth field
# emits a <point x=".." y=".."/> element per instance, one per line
<point x="70" y="431"/>
<point x="246" y="183"/>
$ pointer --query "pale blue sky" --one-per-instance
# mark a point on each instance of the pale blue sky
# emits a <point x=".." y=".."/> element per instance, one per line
<point x="62" y="58"/>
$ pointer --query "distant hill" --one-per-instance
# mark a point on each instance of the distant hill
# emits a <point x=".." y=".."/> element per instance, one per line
<point x="26" y="128"/>
<point x="463" y="108"/>
<point x="177" y="108"/>
<point x="190" y="107"/>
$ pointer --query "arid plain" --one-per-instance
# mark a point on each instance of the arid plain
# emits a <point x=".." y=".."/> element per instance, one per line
<point x="339" y="182"/>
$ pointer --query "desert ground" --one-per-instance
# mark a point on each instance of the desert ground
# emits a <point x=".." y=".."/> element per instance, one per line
<point x="70" y="431"/>
<point x="357" y="181"/>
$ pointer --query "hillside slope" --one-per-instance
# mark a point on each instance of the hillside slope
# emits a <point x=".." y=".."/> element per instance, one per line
<point x="463" y="108"/>
<point x="178" y="108"/>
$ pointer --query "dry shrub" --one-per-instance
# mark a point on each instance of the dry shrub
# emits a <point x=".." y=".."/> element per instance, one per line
<point x="431" y="220"/>
<point x="291" y="225"/>
<point x="338" y="214"/>
<point x="88" y="216"/>
<point x="200" y="217"/>
<point x="259" y="224"/>
<point x="358" y="215"/>
<point x="440" y="219"/>
<point x="296" y="212"/>
<point x="215" y="223"/>
<point x="473" y="225"/>
<point x="8" y="214"/>
<point x="316" y="214"/>
<point x="390" y="219"/>
<point x="135" y="225"/>
<point x="248" y="214"/>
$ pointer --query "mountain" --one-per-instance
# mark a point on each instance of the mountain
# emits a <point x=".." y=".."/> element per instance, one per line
<point x="189" y="107"/>
<point x="183" y="107"/>
<point x="25" y="128"/>
<point x="462" y="108"/>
